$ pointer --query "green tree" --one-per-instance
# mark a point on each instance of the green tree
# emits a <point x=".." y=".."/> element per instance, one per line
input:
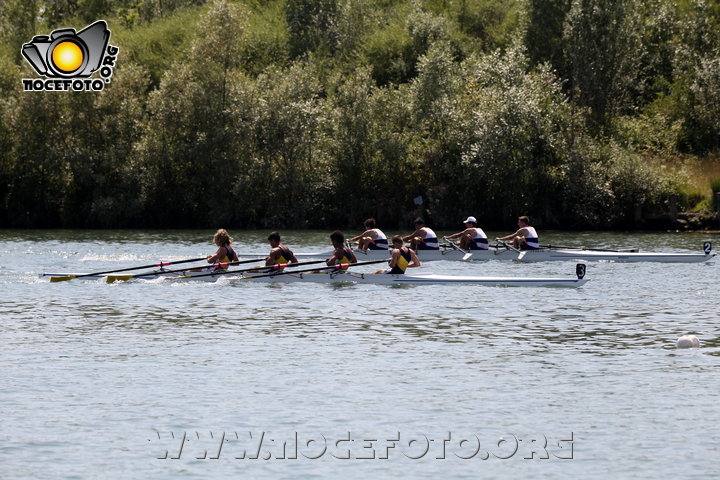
<point x="544" y="35"/>
<point x="694" y="85"/>
<point x="492" y="22"/>
<point x="38" y="142"/>
<point x="186" y="147"/>
<point x="518" y="130"/>
<point x="706" y="94"/>
<point x="602" y="47"/>
<point x="105" y="188"/>
<point x="283" y="175"/>
<point x="312" y="25"/>
<point x="18" y="24"/>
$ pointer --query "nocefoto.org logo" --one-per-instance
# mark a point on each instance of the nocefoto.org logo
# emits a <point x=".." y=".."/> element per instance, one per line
<point x="68" y="58"/>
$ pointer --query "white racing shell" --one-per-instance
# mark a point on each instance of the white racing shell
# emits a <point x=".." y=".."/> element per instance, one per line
<point x="501" y="252"/>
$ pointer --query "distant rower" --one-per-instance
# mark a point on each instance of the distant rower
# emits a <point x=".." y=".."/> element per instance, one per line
<point x="473" y="237"/>
<point x="372" y="238"/>
<point x="526" y="238"/>
<point x="423" y="238"/>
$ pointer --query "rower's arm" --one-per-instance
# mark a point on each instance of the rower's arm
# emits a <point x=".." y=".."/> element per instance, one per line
<point x="415" y="260"/>
<point x="358" y="237"/>
<point x="218" y="255"/>
<point x="270" y="259"/>
<point x="335" y="258"/>
<point x="508" y="237"/>
<point x="455" y="235"/>
<point x="394" y="258"/>
<point x="416" y="233"/>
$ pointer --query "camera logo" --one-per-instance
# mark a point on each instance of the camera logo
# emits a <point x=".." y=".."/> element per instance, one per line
<point x="68" y="58"/>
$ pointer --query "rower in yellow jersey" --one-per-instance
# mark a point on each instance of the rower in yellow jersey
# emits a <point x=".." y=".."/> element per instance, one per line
<point x="342" y="254"/>
<point x="279" y="253"/>
<point x="401" y="259"/>
<point x="225" y="252"/>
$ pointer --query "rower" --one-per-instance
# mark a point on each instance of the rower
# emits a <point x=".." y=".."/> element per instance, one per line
<point x="473" y="237"/>
<point x="526" y="238"/>
<point x="401" y="259"/>
<point x="225" y="252"/>
<point x="342" y="254"/>
<point x="423" y="238"/>
<point x="372" y="238"/>
<point x="279" y="253"/>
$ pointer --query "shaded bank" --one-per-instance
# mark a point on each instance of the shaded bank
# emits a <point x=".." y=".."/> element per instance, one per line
<point x="319" y="114"/>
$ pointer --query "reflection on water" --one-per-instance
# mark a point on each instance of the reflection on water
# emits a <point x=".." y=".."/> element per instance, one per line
<point x="92" y="367"/>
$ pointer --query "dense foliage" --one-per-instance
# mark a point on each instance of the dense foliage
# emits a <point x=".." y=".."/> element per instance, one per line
<point x="319" y="113"/>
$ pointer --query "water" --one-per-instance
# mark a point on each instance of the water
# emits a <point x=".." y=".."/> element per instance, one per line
<point x="100" y="378"/>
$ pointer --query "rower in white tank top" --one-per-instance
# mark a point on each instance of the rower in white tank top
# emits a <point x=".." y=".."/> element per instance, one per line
<point x="526" y="238"/>
<point x="372" y="238"/>
<point x="472" y="238"/>
<point x="532" y="241"/>
<point x="381" y="241"/>
<point x="423" y="238"/>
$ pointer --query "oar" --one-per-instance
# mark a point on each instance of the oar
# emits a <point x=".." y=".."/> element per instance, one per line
<point x="277" y="266"/>
<point x="161" y="264"/>
<point x="116" y="278"/>
<point x="521" y="253"/>
<point x="452" y="244"/>
<point x="628" y="250"/>
<point x="333" y="267"/>
<point x="349" y="245"/>
<point x="286" y="272"/>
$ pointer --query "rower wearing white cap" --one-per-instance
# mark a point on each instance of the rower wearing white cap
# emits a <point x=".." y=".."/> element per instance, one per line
<point x="473" y="237"/>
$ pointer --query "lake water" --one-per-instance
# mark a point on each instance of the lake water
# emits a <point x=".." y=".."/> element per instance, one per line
<point x="160" y="379"/>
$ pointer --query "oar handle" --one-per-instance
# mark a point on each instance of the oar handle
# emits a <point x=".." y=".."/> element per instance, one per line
<point x="508" y="245"/>
<point x="452" y="244"/>
<point x="455" y="247"/>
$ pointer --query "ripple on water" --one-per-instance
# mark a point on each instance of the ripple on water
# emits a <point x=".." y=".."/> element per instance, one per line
<point x="92" y="371"/>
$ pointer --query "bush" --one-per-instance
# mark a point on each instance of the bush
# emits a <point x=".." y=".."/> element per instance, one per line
<point x="715" y="188"/>
<point x="158" y="45"/>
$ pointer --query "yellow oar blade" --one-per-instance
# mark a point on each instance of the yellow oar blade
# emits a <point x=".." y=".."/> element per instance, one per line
<point x="62" y="279"/>
<point x="118" y="278"/>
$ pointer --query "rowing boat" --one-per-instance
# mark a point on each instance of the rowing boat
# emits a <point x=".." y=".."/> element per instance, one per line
<point x="344" y="276"/>
<point x="501" y="252"/>
<point x="419" y="279"/>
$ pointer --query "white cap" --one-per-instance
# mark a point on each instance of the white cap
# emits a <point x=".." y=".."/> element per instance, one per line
<point x="470" y="220"/>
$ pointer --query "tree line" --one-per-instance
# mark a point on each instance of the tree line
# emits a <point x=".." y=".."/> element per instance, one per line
<point x="320" y="113"/>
